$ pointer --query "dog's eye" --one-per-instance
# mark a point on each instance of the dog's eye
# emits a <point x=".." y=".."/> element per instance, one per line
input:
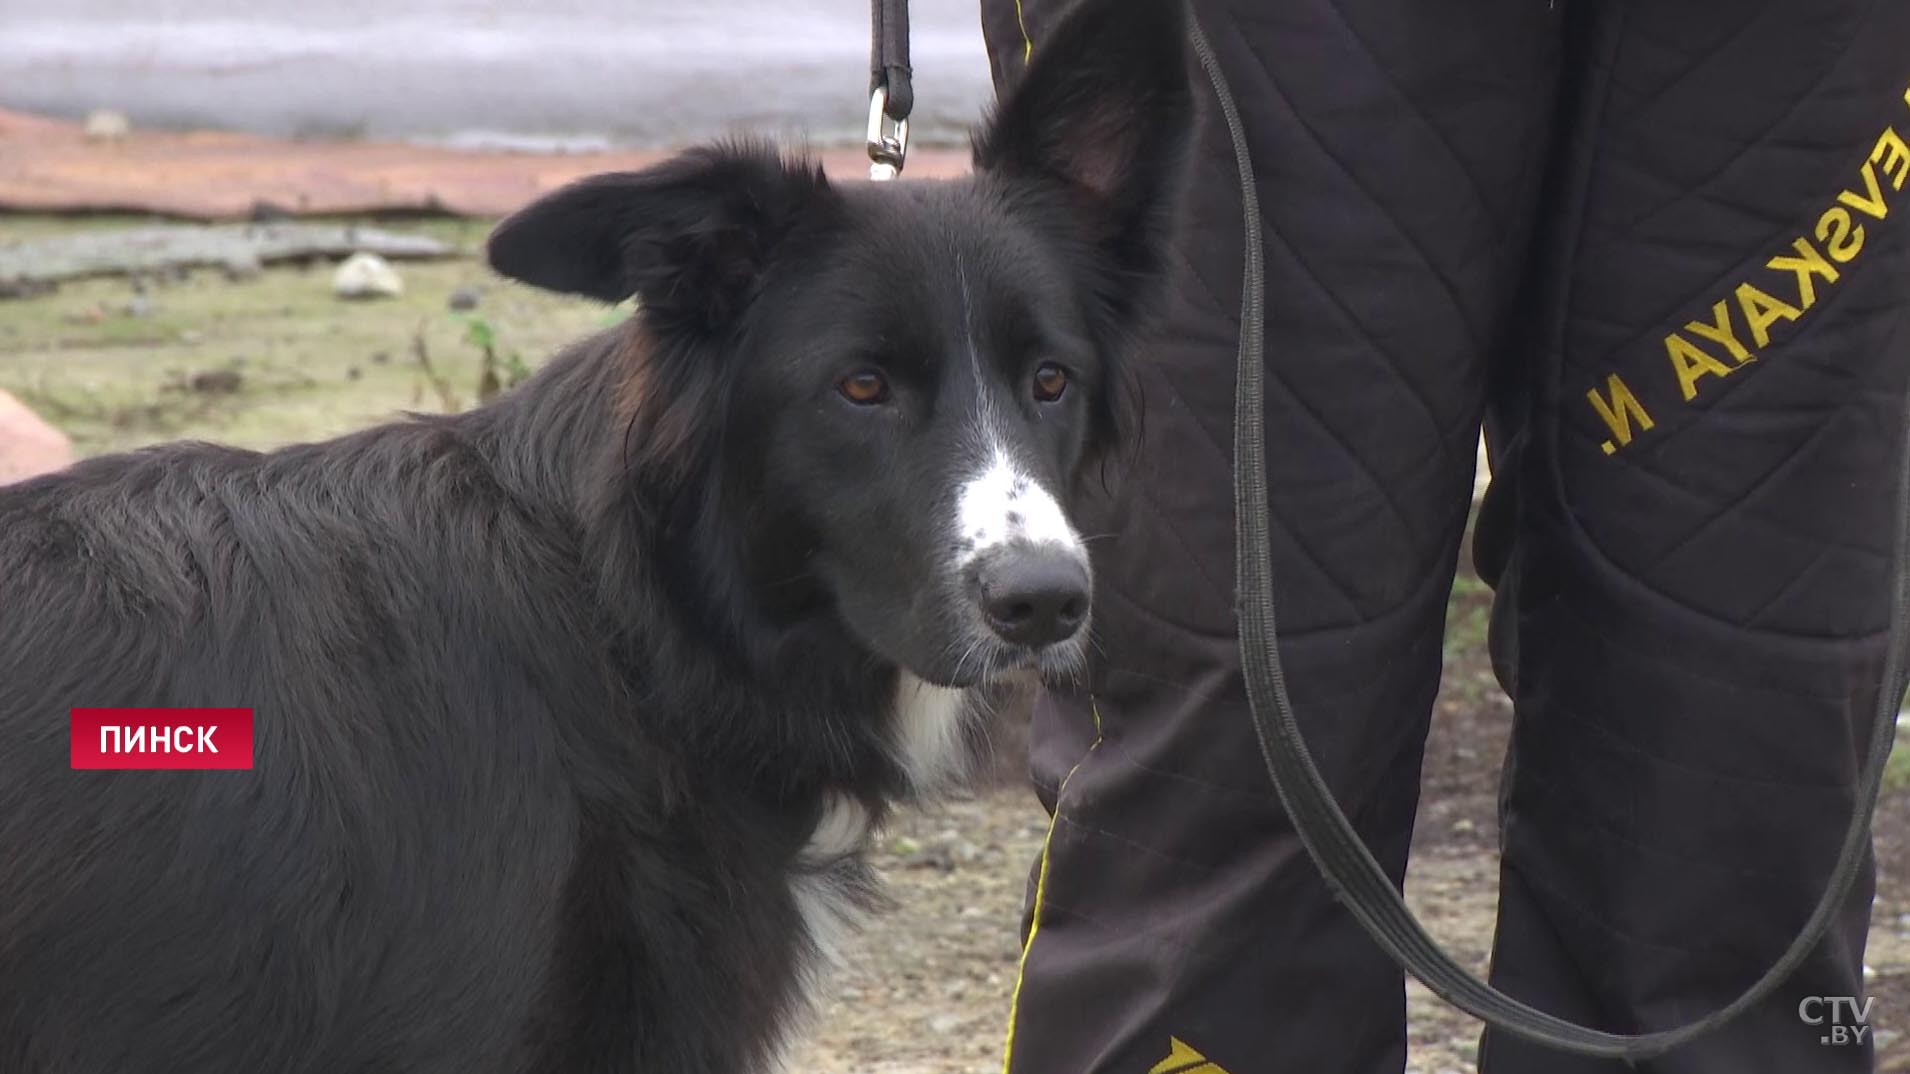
<point x="864" y="387"/>
<point x="1050" y="381"/>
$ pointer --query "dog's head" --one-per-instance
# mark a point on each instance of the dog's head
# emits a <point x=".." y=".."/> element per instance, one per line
<point x="890" y="391"/>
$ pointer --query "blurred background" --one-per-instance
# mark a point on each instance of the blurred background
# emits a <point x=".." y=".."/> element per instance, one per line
<point x="259" y="221"/>
<point x="562" y="74"/>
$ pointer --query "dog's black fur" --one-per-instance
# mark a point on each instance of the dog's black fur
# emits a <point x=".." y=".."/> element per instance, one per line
<point x="550" y="695"/>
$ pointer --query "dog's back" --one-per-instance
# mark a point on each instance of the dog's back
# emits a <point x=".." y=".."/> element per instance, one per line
<point x="375" y="596"/>
<point x="457" y="849"/>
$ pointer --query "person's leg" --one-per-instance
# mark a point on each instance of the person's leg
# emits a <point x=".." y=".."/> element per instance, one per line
<point x="1398" y="155"/>
<point x="1693" y="615"/>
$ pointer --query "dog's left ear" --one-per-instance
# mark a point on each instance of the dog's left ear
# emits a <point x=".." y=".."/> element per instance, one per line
<point x="1104" y="116"/>
<point x="691" y="237"/>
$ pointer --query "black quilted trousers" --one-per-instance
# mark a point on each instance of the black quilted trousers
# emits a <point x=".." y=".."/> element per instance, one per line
<point x="1658" y="248"/>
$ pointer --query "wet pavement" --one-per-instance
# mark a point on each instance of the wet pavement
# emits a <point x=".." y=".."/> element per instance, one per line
<point x="570" y="73"/>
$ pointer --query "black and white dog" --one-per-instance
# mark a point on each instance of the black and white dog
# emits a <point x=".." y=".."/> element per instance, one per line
<point x="574" y="712"/>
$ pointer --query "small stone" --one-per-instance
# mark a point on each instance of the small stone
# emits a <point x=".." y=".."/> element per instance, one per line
<point x="905" y="847"/>
<point x="365" y="275"/>
<point x="381" y="358"/>
<point x="936" y="857"/>
<point x="1464" y="827"/>
<point x="107" y="125"/>
<point x="353" y="373"/>
<point x="943" y="1024"/>
<point x="140" y="306"/>
<point x="216" y="382"/>
<point x="464" y="298"/>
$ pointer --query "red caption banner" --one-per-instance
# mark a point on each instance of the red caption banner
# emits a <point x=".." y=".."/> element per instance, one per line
<point x="162" y="738"/>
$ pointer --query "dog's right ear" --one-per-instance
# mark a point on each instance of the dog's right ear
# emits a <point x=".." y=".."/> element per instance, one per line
<point x="1103" y="116"/>
<point x="690" y="237"/>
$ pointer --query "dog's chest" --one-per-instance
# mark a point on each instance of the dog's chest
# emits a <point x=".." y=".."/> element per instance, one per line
<point x="831" y="883"/>
<point x="833" y="890"/>
<point x="931" y="735"/>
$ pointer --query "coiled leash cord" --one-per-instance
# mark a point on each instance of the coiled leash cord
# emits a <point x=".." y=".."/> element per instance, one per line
<point x="1349" y="868"/>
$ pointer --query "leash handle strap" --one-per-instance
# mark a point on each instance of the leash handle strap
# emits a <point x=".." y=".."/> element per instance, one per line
<point x="1349" y="868"/>
<point x="889" y="57"/>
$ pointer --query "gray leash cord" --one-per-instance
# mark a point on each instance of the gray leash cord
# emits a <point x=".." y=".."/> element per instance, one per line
<point x="1349" y="868"/>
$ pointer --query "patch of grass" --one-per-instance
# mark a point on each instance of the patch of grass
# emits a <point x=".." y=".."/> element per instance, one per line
<point x="1466" y="663"/>
<point x="498" y="369"/>
<point x="1896" y="774"/>
<point x="1468" y="614"/>
<point x="309" y="365"/>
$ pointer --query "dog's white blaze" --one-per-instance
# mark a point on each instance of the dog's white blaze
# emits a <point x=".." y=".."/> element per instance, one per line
<point x="1002" y="504"/>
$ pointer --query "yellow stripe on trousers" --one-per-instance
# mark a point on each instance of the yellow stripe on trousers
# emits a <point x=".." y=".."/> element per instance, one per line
<point x="1041" y="892"/>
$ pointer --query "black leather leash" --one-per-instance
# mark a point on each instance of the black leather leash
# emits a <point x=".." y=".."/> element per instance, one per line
<point x="1349" y="868"/>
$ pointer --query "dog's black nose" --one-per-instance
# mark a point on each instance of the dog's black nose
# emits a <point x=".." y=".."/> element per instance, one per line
<point x="1034" y="596"/>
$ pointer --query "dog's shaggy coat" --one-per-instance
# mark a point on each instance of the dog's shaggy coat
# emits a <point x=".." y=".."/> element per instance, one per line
<point x="574" y="711"/>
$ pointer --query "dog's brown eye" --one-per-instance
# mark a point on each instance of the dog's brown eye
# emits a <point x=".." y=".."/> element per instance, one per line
<point x="1050" y="381"/>
<point x="864" y="388"/>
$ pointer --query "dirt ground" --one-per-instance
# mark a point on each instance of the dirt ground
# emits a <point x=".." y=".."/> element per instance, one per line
<point x="275" y="358"/>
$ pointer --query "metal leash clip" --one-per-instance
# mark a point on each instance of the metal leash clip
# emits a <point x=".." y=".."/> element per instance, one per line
<point x="888" y="139"/>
